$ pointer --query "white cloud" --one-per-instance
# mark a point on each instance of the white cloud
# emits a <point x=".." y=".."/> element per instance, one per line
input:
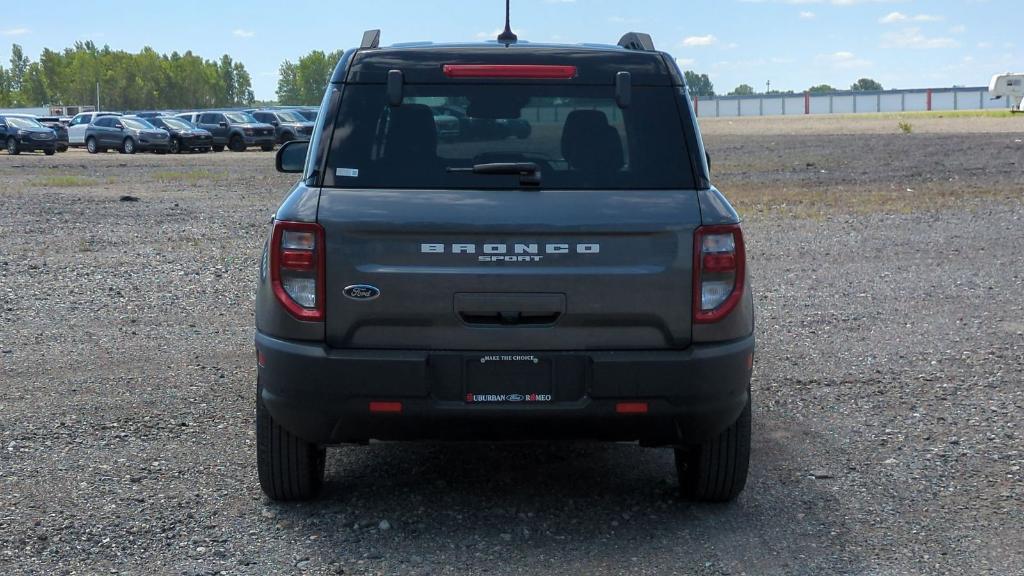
<point x="806" y="15"/>
<point x="239" y="32"/>
<point x="15" y="32"/>
<point x="707" y="40"/>
<point x="842" y="60"/>
<point x="894" y="17"/>
<point x="914" y="38"/>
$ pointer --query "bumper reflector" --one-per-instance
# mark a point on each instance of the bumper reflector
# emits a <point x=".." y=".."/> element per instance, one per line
<point x="386" y="407"/>
<point x="631" y="407"/>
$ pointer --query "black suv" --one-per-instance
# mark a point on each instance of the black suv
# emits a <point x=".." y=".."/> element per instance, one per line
<point x="586" y="281"/>
<point x="290" y="124"/>
<point x="236" y="130"/>
<point x="25" y="134"/>
<point x="185" y="136"/>
<point x="60" y="128"/>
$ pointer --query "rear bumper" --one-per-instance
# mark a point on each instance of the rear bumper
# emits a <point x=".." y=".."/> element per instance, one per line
<point x="323" y="395"/>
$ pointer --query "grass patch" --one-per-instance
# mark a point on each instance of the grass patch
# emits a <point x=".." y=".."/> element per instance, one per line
<point x="190" y="177"/>
<point x="64" y="181"/>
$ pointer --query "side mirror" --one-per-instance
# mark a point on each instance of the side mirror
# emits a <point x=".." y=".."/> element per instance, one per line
<point x="222" y="124"/>
<point x="275" y="123"/>
<point x="119" y="126"/>
<point x="291" y="156"/>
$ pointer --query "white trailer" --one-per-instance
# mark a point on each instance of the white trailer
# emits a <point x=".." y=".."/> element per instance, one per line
<point x="1009" y="86"/>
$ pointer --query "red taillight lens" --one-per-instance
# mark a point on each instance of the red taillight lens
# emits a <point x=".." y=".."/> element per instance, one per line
<point x="718" y="271"/>
<point x="530" y="71"/>
<point x="297" y="268"/>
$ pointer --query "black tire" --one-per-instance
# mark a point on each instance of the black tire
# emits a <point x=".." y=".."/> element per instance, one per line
<point x="90" y="145"/>
<point x="267" y="147"/>
<point x="128" y="146"/>
<point x="176" y="146"/>
<point x="12" y="147"/>
<point x="236" y="144"/>
<point x="286" y="138"/>
<point x="716" y="471"/>
<point x="218" y="148"/>
<point x="289" y="468"/>
<point x="62" y="148"/>
<point x="50" y="151"/>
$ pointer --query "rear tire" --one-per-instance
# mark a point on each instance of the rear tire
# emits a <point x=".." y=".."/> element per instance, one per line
<point x="289" y="468"/>
<point x="50" y="151"/>
<point x="90" y="145"/>
<point x="716" y="471"/>
<point x="267" y="147"/>
<point x="12" y="147"/>
<point x="175" y="146"/>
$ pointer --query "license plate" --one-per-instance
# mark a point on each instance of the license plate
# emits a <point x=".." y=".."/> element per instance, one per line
<point x="508" y="379"/>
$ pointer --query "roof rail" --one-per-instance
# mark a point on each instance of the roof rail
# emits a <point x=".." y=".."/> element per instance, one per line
<point x="371" y="39"/>
<point x="637" y="41"/>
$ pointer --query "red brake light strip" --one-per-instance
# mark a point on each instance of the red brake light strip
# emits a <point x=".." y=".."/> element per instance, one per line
<point x="531" y="71"/>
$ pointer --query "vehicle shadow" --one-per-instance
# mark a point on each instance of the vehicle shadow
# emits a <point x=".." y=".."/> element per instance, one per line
<point x="600" y="508"/>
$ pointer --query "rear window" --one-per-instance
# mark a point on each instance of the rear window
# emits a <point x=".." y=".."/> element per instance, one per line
<point x="576" y="135"/>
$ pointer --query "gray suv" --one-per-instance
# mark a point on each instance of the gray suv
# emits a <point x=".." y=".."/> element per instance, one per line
<point x="236" y="130"/>
<point x="126" y="135"/>
<point x="585" y="282"/>
<point x="290" y="125"/>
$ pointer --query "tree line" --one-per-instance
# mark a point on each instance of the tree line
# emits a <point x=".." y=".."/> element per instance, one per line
<point x="148" y="80"/>
<point x="700" y="85"/>
<point x="127" y="81"/>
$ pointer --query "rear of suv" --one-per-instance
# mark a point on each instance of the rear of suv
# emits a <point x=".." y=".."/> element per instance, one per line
<point x="585" y="281"/>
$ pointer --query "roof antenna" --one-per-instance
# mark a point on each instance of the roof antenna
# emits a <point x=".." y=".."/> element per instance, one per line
<point x="507" y="37"/>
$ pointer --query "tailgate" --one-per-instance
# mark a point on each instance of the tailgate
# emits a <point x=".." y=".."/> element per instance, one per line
<point x="509" y="270"/>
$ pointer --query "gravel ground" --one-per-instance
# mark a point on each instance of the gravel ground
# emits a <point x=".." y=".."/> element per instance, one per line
<point x="888" y="397"/>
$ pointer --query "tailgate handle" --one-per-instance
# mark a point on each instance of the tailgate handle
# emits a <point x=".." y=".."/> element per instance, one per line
<point x="510" y="309"/>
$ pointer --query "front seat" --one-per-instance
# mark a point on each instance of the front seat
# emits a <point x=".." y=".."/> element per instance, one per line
<point x="590" y="145"/>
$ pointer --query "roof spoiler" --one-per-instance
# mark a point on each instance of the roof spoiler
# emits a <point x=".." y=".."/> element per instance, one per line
<point x="371" y="39"/>
<point x="637" y="41"/>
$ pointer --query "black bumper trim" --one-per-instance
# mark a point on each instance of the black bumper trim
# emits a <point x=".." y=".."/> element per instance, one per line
<point x="323" y="395"/>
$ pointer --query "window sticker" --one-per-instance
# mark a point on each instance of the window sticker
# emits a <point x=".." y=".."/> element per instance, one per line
<point x="348" y="172"/>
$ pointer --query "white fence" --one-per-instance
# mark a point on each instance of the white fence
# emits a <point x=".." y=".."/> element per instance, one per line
<point x="921" y="100"/>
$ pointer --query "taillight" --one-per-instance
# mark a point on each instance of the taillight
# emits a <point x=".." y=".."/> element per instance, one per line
<point x="528" y="71"/>
<point x="297" y="268"/>
<point x="718" y="271"/>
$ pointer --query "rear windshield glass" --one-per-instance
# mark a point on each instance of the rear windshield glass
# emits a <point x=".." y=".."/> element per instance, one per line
<point x="577" y="136"/>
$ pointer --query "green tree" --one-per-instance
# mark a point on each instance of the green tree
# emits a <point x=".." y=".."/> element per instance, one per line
<point x="742" y="90"/>
<point x="699" y="84"/>
<point x="19" y="66"/>
<point x="821" y="89"/>
<point x="866" y="84"/>
<point x="304" y="82"/>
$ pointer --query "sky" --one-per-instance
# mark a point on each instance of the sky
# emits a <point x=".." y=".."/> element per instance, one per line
<point x="793" y="44"/>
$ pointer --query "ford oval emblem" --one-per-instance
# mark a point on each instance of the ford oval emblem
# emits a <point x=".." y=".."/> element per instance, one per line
<point x="361" y="292"/>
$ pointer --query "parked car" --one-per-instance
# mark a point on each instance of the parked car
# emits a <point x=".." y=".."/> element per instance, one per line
<point x="308" y="113"/>
<point x="484" y="128"/>
<point x="57" y="125"/>
<point x="126" y="135"/>
<point x="78" y="124"/>
<point x="236" y="130"/>
<point x="185" y="136"/>
<point x="290" y="125"/>
<point x="585" y="282"/>
<point x="23" y="134"/>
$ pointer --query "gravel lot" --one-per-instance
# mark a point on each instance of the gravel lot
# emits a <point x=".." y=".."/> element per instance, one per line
<point x="888" y="384"/>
